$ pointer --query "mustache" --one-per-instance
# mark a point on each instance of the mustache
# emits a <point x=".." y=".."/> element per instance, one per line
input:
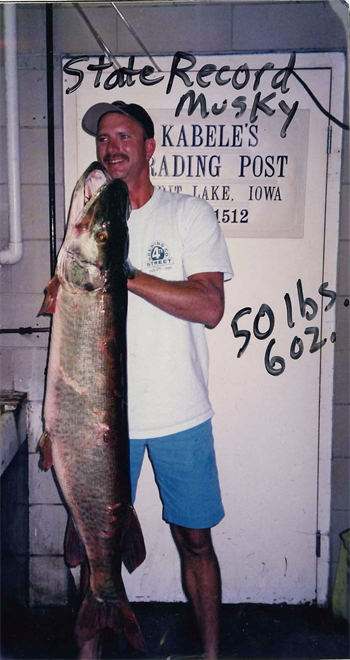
<point x="112" y="156"/>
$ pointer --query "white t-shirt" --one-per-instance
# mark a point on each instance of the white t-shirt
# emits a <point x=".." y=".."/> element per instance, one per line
<point x="173" y="236"/>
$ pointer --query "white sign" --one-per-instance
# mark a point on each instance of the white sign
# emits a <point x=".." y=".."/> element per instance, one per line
<point x="232" y="133"/>
<point x="254" y="179"/>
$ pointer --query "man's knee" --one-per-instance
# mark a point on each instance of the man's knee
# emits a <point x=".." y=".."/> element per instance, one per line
<point x="193" y="542"/>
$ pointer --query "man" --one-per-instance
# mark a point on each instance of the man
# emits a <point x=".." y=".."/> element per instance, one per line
<point x="181" y="261"/>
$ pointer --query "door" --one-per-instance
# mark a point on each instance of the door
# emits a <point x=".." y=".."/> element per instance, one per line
<point x="257" y="146"/>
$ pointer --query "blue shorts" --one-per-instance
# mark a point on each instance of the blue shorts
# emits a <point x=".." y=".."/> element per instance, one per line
<point x="186" y="474"/>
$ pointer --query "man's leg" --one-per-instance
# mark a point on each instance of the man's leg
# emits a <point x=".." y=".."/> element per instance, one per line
<point x="202" y="582"/>
<point x="92" y="649"/>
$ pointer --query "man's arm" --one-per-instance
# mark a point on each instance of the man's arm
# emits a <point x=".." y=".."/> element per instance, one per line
<point x="199" y="299"/>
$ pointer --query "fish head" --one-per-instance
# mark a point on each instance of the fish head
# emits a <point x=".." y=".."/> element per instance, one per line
<point x="97" y="245"/>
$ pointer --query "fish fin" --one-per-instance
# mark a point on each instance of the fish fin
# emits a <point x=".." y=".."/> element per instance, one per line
<point x="49" y="304"/>
<point x="133" y="548"/>
<point x="131" y="628"/>
<point x="74" y="548"/>
<point x="45" y="447"/>
<point x="95" y="615"/>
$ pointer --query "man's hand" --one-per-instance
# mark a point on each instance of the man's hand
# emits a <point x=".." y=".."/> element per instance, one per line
<point x="199" y="299"/>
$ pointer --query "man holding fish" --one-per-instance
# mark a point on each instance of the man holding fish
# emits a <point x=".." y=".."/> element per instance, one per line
<point x="178" y="263"/>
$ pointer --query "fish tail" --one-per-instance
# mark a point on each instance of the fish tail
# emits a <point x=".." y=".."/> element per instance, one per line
<point x="94" y="616"/>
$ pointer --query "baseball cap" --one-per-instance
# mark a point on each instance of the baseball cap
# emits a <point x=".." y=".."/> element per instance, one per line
<point x="131" y="110"/>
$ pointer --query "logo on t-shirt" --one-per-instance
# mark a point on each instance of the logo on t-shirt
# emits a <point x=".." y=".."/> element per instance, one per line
<point x="158" y="255"/>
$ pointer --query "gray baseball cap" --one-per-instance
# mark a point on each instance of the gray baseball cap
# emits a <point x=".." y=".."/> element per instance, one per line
<point x="132" y="110"/>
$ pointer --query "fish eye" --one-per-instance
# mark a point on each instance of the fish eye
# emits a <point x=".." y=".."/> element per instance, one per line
<point x="101" y="237"/>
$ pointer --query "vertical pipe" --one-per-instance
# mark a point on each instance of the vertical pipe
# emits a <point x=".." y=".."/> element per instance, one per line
<point x="51" y="134"/>
<point x="14" y="251"/>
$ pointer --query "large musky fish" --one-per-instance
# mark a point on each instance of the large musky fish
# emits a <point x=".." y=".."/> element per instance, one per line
<point x="85" y="410"/>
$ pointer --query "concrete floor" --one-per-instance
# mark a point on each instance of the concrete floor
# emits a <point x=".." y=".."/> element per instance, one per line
<point x="248" y="631"/>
